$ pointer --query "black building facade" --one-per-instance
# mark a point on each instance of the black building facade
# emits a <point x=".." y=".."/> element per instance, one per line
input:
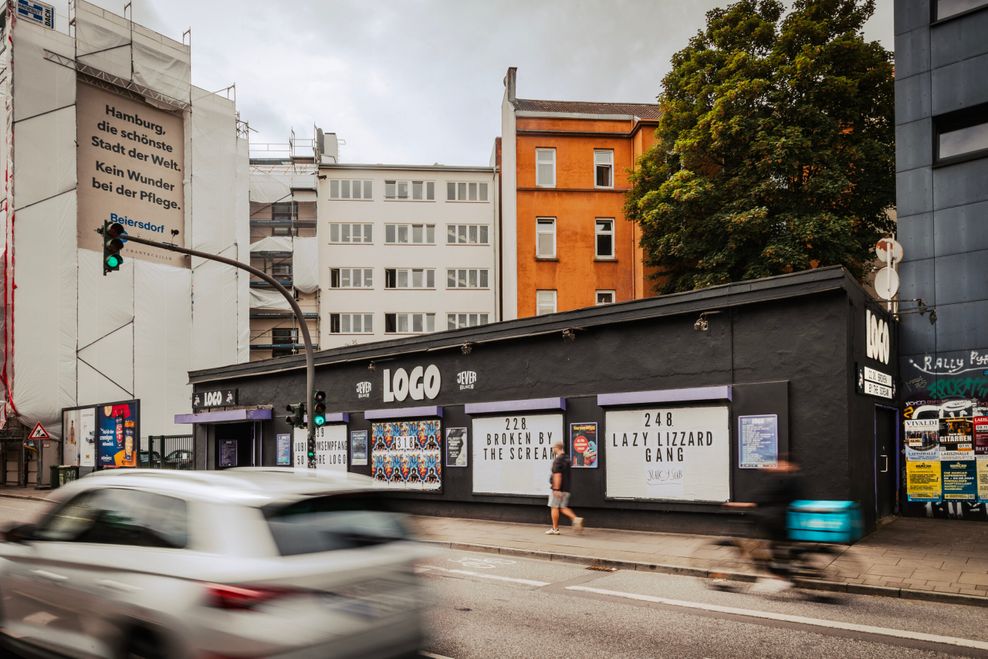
<point x="941" y="114"/>
<point x="669" y="406"/>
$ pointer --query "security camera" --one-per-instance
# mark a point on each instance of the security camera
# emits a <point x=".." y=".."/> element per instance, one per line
<point x="701" y="325"/>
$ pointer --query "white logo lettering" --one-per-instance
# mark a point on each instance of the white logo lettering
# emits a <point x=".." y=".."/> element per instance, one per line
<point x="364" y="389"/>
<point x="422" y="383"/>
<point x="466" y="379"/>
<point x="878" y="342"/>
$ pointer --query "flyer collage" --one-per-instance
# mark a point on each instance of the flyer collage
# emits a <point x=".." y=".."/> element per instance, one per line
<point x="946" y="447"/>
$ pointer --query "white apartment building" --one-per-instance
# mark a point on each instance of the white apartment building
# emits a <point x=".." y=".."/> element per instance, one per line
<point x="405" y="250"/>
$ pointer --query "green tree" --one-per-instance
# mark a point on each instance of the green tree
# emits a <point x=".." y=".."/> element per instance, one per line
<point x="775" y="151"/>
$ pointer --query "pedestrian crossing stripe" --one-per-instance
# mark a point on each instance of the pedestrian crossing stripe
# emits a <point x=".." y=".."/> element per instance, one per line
<point x="39" y="432"/>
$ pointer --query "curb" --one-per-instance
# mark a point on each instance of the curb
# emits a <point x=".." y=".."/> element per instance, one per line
<point x="28" y="497"/>
<point x="682" y="570"/>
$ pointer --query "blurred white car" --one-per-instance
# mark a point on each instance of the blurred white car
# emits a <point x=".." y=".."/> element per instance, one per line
<point x="237" y="563"/>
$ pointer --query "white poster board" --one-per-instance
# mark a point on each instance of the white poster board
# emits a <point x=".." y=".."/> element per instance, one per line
<point x="87" y="434"/>
<point x="331" y="447"/>
<point x="512" y="454"/>
<point x="670" y="453"/>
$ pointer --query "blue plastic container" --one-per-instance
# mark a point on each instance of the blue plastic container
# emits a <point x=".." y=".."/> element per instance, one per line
<point x="824" y="521"/>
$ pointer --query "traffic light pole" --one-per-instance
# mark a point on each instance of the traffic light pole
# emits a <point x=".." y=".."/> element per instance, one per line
<point x="310" y="369"/>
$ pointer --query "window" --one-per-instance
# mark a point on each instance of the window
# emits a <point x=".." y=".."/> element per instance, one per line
<point x="351" y="277"/>
<point x="409" y="323"/>
<point x="282" y="214"/>
<point x="414" y="190"/>
<point x="604" y="238"/>
<point x="338" y="522"/>
<point x="545" y="302"/>
<point x="545" y="237"/>
<point x="351" y="323"/>
<point x="467" y="278"/>
<point x="947" y="8"/>
<point x="119" y="517"/>
<point x="461" y="320"/>
<point x="351" y="189"/>
<point x="410" y="234"/>
<point x="409" y="278"/>
<point x="603" y="168"/>
<point x="283" y="340"/>
<point x="545" y="168"/>
<point x="350" y="232"/>
<point x="605" y="297"/>
<point x="467" y="234"/>
<point x="466" y="191"/>
<point x="962" y="133"/>
<point x="281" y="270"/>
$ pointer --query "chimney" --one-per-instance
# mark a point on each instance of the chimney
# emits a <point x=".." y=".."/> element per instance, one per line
<point x="509" y="82"/>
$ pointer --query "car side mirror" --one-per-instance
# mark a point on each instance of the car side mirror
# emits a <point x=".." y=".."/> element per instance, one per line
<point x="21" y="533"/>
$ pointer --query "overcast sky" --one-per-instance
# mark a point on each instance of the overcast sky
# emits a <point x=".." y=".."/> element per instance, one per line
<point x="420" y="81"/>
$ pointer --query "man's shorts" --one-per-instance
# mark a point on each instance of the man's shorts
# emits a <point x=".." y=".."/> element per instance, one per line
<point x="559" y="499"/>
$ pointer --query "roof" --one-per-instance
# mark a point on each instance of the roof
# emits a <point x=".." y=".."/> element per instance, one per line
<point x="249" y="486"/>
<point x="410" y="168"/>
<point x="640" y="110"/>
<point x="809" y="282"/>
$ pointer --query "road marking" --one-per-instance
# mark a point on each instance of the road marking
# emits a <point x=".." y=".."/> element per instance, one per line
<point x="479" y="563"/>
<point x="495" y="577"/>
<point x="783" y="617"/>
<point x="433" y="655"/>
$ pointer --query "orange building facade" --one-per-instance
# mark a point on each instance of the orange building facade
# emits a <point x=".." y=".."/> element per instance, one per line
<point x="564" y="176"/>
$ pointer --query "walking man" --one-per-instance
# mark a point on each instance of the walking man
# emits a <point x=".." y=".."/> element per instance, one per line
<point x="559" y="496"/>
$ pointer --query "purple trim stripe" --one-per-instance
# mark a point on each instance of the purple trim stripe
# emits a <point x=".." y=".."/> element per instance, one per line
<point x="527" y="405"/>
<point x="404" y="412"/>
<point x="666" y="396"/>
<point x="338" y="417"/>
<point x="220" y="416"/>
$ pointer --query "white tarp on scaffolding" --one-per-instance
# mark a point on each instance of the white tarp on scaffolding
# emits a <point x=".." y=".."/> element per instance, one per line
<point x="268" y="300"/>
<point x="242" y="213"/>
<point x="305" y="265"/>
<point x="272" y="244"/>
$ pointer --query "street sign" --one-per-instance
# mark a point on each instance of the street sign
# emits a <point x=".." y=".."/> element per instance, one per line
<point x="886" y="283"/>
<point x="889" y="247"/>
<point x="39" y="432"/>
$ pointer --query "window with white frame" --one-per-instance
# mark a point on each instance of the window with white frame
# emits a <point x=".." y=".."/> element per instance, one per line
<point x="351" y="323"/>
<point x="466" y="191"/>
<point x="545" y="237"/>
<point x="604" y="238"/>
<point x="409" y="323"/>
<point x="467" y="278"/>
<point x="351" y="278"/>
<point x="545" y="168"/>
<point x="351" y="232"/>
<point x="409" y="278"/>
<point x="410" y="234"/>
<point x="410" y="190"/>
<point x="605" y="297"/>
<point x="461" y="320"/>
<point x="603" y="168"/>
<point x="467" y="234"/>
<point x="545" y="302"/>
<point x="351" y="189"/>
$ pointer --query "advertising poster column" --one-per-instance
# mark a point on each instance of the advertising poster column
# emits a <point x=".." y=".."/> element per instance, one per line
<point x="513" y="454"/>
<point x="677" y="453"/>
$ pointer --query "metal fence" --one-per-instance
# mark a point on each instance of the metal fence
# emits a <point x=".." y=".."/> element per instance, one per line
<point x="173" y="452"/>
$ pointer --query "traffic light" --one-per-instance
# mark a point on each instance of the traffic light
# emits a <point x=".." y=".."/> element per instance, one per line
<point x="114" y="237"/>
<point x="319" y="408"/>
<point x="312" y="452"/>
<point x="297" y="417"/>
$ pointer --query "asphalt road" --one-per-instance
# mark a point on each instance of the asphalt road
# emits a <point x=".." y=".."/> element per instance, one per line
<point x="496" y="606"/>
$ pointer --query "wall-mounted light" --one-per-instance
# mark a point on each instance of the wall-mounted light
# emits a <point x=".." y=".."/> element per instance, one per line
<point x="371" y="366"/>
<point x="569" y="334"/>
<point x="702" y="324"/>
<point x="466" y="348"/>
<point x="921" y="308"/>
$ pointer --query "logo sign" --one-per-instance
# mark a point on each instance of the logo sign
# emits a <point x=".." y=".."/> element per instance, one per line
<point x="38" y="12"/>
<point x="364" y="389"/>
<point x="466" y="379"/>
<point x="204" y="400"/>
<point x="878" y="342"/>
<point x="419" y="384"/>
<point x="39" y="432"/>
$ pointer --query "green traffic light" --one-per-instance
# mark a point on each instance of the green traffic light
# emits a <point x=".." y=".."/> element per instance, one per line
<point x="312" y="454"/>
<point x="113" y="261"/>
<point x="319" y="420"/>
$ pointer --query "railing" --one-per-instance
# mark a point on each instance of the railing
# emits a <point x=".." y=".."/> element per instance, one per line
<point x="181" y="452"/>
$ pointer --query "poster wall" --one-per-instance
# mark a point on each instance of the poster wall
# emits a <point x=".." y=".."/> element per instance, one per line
<point x="358" y="448"/>
<point x="758" y="441"/>
<point x="331" y="447"/>
<point x="79" y="440"/>
<point x="923" y="480"/>
<point x="583" y="445"/>
<point x="513" y="454"/>
<point x="922" y="439"/>
<point x="673" y="453"/>
<point x="130" y="170"/>
<point x="456" y="447"/>
<point x="407" y="454"/>
<point x="228" y="453"/>
<point x="119" y="433"/>
<point x="959" y="480"/>
<point x="283" y="450"/>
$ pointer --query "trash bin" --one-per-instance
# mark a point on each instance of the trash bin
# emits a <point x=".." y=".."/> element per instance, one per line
<point x="62" y="474"/>
<point x="824" y="521"/>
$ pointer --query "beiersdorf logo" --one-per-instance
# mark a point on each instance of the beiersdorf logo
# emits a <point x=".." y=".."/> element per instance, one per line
<point x="137" y="224"/>
<point x="466" y="379"/>
<point x="364" y="389"/>
<point x="418" y="384"/>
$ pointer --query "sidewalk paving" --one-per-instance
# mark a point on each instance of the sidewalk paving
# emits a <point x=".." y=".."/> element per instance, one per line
<point x="930" y="559"/>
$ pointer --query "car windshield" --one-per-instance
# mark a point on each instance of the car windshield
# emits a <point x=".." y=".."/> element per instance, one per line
<point x="334" y="522"/>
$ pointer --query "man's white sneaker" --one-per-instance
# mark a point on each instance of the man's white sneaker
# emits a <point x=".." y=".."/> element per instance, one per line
<point x="578" y="525"/>
<point x="552" y="532"/>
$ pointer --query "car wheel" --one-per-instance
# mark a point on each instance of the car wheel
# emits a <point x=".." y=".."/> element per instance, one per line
<point x="143" y="644"/>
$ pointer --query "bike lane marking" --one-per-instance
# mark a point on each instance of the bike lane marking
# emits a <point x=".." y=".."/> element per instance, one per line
<point x="784" y="617"/>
